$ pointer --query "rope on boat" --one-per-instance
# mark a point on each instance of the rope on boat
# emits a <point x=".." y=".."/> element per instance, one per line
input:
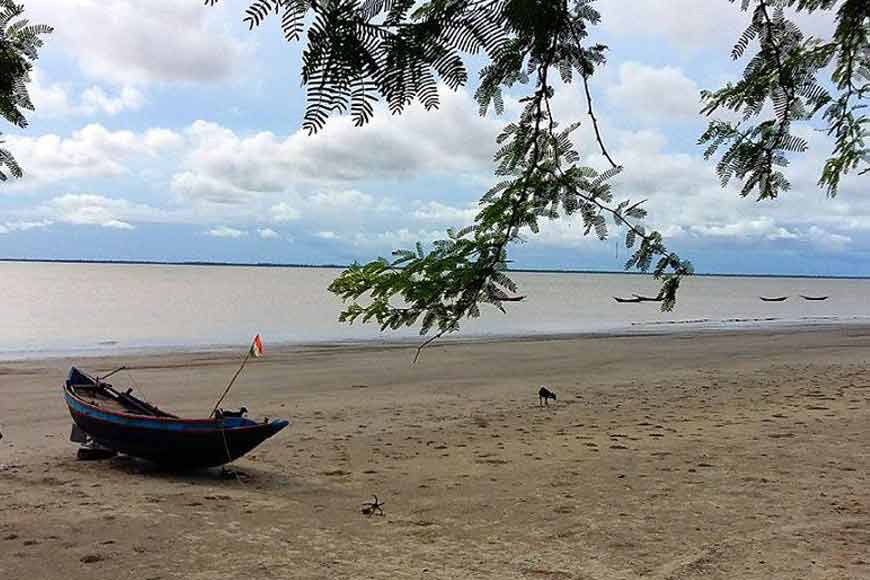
<point x="135" y="384"/>
<point x="229" y="455"/>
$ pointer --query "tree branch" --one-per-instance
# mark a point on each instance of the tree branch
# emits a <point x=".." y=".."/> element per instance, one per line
<point x="513" y="223"/>
<point x="591" y="113"/>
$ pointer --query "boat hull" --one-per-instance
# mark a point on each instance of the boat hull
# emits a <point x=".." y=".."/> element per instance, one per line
<point x="172" y="442"/>
<point x="627" y="300"/>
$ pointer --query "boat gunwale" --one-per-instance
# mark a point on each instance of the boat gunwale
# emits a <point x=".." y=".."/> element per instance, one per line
<point x="69" y="391"/>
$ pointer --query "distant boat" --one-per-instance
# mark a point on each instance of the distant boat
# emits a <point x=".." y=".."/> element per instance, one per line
<point x="642" y="298"/>
<point x="777" y="299"/>
<point x="814" y="298"/>
<point x="120" y="422"/>
<point x="627" y="300"/>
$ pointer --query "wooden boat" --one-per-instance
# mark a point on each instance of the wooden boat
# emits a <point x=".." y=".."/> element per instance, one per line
<point x="627" y="300"/>
<point x="814" y="298"/>
<point x="776" y="299"/>
<point x="641" y="298"/>
<point x="123" y="423"/>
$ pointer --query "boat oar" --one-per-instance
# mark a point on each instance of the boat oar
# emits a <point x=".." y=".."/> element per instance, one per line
<point x="106" y="376"/>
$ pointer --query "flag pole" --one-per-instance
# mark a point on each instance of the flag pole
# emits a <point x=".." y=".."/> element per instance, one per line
<point x="233" y="380"/>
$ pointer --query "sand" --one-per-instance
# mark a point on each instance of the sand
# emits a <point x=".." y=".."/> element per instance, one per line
<point x="722" y="455"/>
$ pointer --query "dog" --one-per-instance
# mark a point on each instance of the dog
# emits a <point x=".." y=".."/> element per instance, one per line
<point x="545" y="394"/>
<point x="240" y="413"/>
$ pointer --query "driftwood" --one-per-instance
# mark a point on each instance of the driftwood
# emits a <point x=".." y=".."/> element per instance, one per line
<point x="371" y="508"/>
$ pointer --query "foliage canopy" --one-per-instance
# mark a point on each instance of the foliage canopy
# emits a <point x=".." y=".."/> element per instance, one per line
<point x="360" y="51"/>
<point x="19" y="45"/>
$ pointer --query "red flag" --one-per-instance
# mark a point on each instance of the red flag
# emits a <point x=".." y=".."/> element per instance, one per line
<point x="257" y="347"/>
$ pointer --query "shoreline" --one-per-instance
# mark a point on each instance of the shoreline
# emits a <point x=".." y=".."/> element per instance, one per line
<point x="653" y="328"/>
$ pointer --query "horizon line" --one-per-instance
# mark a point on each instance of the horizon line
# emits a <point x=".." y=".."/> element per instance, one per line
<point x="345" y="266"/>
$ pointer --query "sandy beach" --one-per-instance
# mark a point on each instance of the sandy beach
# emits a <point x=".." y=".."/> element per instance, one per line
<point x="719" y="455"/>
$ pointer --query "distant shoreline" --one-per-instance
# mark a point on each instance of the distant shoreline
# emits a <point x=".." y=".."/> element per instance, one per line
<point x="343" y="266"/>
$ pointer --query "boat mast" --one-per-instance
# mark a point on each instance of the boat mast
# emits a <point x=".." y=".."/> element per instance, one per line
<point x="232" y="380"/>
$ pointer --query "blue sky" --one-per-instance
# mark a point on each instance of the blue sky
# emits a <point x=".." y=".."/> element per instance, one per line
<point x="166" y="130"/>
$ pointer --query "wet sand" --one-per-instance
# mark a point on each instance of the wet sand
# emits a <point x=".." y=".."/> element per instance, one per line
<point x="722" y="455"/>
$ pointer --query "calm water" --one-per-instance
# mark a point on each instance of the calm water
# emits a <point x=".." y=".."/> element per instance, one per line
<point x="82" y="308"/>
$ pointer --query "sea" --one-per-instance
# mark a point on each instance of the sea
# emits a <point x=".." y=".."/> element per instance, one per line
<point x="60" y="309"/>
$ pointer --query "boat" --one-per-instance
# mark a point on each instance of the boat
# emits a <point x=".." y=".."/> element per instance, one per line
<point x="776" y="299"/>
<point x="123" y="423"/>
<point x="627" y="300"/>
<point x="641" y="298"/>
<point x="814" y="298"/>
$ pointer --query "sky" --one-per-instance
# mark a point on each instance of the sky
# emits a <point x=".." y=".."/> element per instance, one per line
<point x="166" y="130"/>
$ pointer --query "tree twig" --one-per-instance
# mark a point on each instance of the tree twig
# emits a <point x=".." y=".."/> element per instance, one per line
<point x="591" y="113"/>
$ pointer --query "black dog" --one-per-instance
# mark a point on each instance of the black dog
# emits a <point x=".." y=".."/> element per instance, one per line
<point x="240" y="413"/>
<point x="545" y="394"/>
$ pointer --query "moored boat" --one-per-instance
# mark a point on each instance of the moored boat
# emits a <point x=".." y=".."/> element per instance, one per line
<point x="641" y="298"/>
<point x="124" y="423"/>
<point x="627" y="300"/>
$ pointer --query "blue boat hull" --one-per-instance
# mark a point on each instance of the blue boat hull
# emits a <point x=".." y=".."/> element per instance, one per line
<point x="167" y="440"/>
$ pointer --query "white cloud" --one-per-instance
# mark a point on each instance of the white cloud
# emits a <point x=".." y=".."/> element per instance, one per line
<point x="23" y="226"/>
<point x="331" y="182"/>
<point x="157" y="140"/>
<point x="267" y="233"/>
<point x="117" y="224"/>
<point x="436" y="212"/>
<point x="389" y="148"/>
<point x="197" y="187"/>
<point x="283" y="212"/>
<point x="399" y="238"/>
<point x="713" y="24"/>
<point x="762" y="227"/>
<point x="827" y="240"/>
<point x="767" y="228"/>
<point x="129" y="41"/>
<point x="92" y="209"/>
<point x="687" y="204"/>
<point x="92" y="151"/>
<point x="344" y="199"/>
<point x="49" y="100"/>
<point x="655" y="94"/>
<point x="96" y="100"/>
<point x="226" y="232"/>
<point x="54" y="100"/>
